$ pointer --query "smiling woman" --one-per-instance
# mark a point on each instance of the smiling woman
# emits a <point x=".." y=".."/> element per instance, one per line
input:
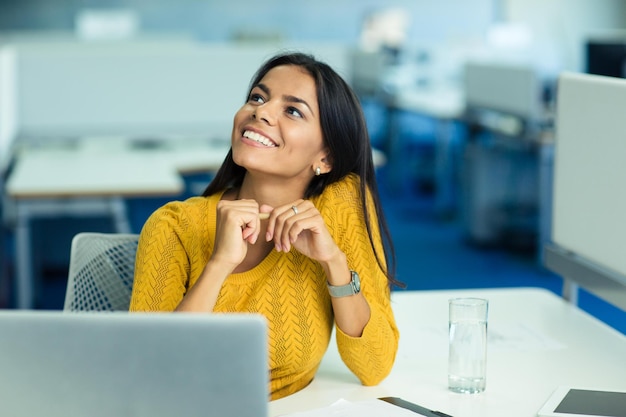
<point x="291" y="227"/>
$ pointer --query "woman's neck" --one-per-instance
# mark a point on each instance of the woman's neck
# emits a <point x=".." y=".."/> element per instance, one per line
<point x="273" y="193"/>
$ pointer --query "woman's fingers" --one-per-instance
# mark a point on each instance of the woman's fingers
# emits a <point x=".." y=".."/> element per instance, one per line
<point x="276" y="222"/>
<point x="288" y="221"/>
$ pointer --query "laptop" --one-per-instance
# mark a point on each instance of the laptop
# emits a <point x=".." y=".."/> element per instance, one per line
<point x="58" y="364"/>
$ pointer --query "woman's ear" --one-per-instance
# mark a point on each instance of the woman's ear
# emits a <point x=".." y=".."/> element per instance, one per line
<point x="325" y="165"/>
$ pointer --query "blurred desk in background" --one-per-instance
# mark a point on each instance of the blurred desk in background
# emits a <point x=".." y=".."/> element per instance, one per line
<point x="93" y="177"/>
<point x="421" y="146"/>
<point x="445" y="102"/>
<point x="506" y="162"/>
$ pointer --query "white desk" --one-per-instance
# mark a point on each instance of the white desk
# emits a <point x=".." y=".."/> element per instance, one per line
<point x="537" y="341"/>
<point x="92" y="178"/>
<point x="445" y="102"/>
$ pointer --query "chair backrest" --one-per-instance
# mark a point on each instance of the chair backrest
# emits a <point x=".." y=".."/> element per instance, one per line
<point x="101" y="273"/>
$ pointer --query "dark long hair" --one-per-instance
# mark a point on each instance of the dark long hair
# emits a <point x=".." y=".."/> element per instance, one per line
<point x="345" y="134"/>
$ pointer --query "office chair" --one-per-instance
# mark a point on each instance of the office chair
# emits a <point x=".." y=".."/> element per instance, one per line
<point x="101" y="273"/>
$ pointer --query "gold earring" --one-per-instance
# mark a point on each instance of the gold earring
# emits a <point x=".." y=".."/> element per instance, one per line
<point x="318" y="171"/>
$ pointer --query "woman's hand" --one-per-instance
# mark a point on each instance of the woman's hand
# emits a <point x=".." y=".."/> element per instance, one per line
<point x="238" y="224"/>
<point x="301" y="225"/>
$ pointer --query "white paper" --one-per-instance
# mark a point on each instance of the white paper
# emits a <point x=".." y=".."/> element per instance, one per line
<point x="366" y="408"/>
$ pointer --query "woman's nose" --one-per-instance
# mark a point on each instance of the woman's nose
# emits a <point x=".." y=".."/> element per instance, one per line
<point x="265" y="113"/>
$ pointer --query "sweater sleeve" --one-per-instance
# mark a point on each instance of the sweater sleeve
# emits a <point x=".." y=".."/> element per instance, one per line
<point x="162" y="265"/>
<point x="371" y="356"/>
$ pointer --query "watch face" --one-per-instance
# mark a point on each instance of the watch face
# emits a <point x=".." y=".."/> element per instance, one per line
<point x="356" y="282"/>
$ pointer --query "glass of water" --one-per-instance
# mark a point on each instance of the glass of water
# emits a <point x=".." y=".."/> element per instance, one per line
<point x="467" y="360"/>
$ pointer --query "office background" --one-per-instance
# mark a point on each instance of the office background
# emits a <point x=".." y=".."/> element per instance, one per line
<point x="436" y="248"/>
<point x="557" y="27"/>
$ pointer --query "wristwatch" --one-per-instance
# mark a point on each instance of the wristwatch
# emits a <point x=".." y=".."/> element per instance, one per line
<point x="352" y="288"/>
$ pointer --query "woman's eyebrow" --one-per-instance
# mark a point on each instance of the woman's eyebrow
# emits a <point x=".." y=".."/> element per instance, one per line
<point x="263" y="87"/>
<point x="287" y="98"/>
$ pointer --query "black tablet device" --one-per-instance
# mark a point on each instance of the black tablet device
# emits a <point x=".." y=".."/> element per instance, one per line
<point x="572" y="402"/>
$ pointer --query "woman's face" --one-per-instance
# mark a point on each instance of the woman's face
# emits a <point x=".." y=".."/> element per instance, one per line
<point x="277" y="131"/>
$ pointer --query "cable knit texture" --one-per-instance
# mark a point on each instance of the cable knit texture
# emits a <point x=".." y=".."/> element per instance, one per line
<point x="289" y="289"/>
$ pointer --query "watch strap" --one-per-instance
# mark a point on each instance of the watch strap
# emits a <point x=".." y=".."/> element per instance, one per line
<point x="351" y="288"/>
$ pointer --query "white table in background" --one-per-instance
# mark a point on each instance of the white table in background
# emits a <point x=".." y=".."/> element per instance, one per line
<point x="92" y="178"/>
<point x="537" y="341"/>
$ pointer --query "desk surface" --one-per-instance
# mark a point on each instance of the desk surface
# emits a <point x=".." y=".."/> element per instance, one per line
<point x="110" y="167"/>
<point x="537" y="341"/>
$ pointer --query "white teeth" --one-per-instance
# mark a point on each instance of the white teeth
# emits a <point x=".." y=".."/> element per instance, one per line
<point x="258" y="138"/>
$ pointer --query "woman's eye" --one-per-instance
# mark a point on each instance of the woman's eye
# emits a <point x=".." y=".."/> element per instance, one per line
<point x="257" y="98"/>
<point x="294" y="112"/>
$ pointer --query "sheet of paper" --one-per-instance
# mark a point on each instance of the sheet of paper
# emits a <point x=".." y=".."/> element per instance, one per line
<point x="367" y="408"/>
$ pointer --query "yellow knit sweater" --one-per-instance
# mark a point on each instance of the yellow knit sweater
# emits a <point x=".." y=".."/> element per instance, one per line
<point x="289" y="289"/>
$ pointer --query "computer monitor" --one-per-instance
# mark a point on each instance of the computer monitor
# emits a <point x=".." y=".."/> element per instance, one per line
<point x="606" y="57"/>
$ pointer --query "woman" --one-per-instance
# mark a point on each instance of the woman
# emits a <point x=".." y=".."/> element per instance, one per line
<point x="290" y="228"/>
